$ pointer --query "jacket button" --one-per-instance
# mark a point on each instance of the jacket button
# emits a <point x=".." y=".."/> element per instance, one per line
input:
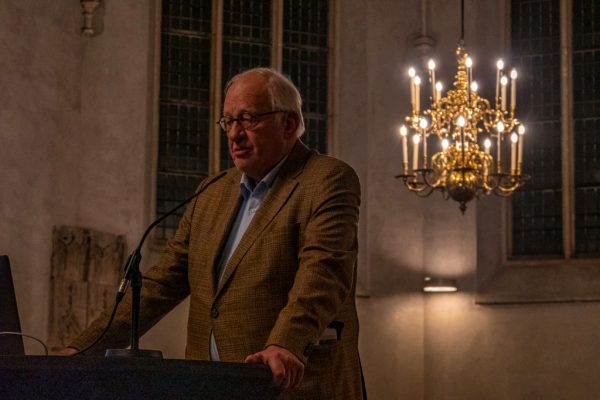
<point x="214" y="313"/>
<point x="308" y="349"/>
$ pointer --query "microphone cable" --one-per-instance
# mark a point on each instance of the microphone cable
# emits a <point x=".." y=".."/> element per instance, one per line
<point x="103" y="333"/>
<point x="28" y="336"/>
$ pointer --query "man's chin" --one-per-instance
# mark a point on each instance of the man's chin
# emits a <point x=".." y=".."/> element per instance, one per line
<point x="241" y="165"/>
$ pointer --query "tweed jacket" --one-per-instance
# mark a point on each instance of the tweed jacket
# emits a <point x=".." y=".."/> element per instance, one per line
<point x="291" y="275"/>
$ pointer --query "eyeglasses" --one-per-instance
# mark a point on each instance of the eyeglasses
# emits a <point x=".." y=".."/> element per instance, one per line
<point x="245" y="119"/>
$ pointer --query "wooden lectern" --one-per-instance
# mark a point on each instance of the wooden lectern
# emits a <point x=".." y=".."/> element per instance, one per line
<point x="100" y="378"/>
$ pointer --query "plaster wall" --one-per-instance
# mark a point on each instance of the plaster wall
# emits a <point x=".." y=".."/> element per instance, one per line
<point x="76" y="134"/>
<point x="372" y="55"/>
<point x="41" y="142"/>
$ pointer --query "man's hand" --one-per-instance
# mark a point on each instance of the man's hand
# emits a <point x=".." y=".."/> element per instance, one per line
<point x="65" y="352"/>
<point x="287" y="370"/>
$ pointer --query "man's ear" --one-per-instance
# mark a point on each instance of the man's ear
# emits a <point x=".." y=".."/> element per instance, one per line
<point x="292" y="122"/>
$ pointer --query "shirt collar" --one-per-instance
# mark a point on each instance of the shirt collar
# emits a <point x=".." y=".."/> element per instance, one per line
<point x="265" y="184"/>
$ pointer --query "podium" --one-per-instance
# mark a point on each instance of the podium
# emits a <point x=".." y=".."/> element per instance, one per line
<point x="99" y="378"/>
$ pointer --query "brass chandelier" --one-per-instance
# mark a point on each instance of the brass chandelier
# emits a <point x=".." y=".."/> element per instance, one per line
<point x="462" y="171"/>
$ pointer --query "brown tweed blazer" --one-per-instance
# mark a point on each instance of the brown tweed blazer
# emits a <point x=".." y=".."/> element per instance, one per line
<point x="291" y="275"/>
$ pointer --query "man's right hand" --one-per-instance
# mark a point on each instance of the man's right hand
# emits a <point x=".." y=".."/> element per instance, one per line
<point x="65" y="352"/>
<point x="287" y="370"/>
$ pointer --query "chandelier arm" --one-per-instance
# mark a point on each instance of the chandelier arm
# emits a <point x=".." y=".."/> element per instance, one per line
<point x="507" y="191"/>
<point x="422" y="194"/>
<point x="503" y="193"/>
<point x="491" y="188"/>
<point x="514" y="122"/>
<point x="497" y="178"/>
<point x="487" y="115"/>
<point x="412" y="184"/>
<point x="418" y="190"/>
<point x="481" y="113"/>
<point x="433" y="185"/>
<point x="511" y="125"/>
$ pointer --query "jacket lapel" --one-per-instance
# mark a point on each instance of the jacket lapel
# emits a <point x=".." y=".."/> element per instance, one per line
<point x="229" y="200"/>
<point x="275" y="199"/>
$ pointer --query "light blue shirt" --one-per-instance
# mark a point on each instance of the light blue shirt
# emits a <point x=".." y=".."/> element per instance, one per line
<point x="252" y="196"/>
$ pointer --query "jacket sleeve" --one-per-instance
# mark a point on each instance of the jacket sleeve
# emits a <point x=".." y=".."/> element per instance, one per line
<point x="326" y="261"/>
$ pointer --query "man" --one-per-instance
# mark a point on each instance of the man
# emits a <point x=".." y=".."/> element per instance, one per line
<point x="267" y="254"/>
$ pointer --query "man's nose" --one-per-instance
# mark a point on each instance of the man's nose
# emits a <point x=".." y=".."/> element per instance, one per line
<point x="236" y="132"/>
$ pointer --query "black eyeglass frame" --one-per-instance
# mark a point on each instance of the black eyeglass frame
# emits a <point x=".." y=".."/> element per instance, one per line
<point x="246" y="123"/>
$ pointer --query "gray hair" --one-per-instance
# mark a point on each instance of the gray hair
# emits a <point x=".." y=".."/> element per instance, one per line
<point x="284" y="94"/>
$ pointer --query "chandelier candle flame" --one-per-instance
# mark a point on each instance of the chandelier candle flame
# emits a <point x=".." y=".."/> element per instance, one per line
<point x="417" y="82"/>
<point x="460" y="170"/>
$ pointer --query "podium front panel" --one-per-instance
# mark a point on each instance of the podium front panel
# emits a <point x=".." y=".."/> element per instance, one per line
<point x="66" y="378"/>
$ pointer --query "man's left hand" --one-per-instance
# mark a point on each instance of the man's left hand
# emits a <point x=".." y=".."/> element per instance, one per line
<point x="287" y="370"/>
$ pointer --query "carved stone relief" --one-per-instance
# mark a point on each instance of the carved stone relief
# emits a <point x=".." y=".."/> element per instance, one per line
<point x="86" y="268"/>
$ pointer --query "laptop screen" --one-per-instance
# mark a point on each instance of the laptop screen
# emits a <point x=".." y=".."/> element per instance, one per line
<point x="9" y="314"/>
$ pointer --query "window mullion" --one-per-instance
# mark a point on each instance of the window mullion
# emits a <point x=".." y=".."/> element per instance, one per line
<point x="332" y="79"/>
<point x="276" y="34"/>
<point x="216" y="61"/>
<point x="567" y="140"/>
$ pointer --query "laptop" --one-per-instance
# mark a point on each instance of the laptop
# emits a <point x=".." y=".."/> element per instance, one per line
<point x="9" y="314"/>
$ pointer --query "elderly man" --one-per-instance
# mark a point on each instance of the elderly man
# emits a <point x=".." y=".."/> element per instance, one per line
<point x="267" y="254"/>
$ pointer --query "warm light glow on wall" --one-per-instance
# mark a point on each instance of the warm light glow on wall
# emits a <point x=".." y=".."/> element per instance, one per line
<point x="439" y="285"/>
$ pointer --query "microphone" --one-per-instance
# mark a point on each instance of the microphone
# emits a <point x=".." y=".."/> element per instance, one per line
<point x="133" y="276"/>
<point x="136" y="257"/>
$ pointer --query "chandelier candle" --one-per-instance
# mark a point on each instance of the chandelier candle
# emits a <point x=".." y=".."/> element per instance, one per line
<point x="504" y="82"/>
<point x="513" y="89"/>
<point x="500" y="130"/>
<point x="474" y="93"/>
<point x="432" y="77"/>
<point x="417" y="81"/>
<point x="513" y="153"/>
<point x="520" y="158"/>
<point x="403" y="133"/>
<point x="411" y="74"/>
<point x="438" y="89"/>
<point x="416" y="139"/>
<point x="469" y="64"/>
<point x="500" y="65"/>
<point x="423" y="124"/>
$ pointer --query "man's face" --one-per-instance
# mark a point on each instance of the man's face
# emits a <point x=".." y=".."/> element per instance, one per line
<point x="257" y="150"/>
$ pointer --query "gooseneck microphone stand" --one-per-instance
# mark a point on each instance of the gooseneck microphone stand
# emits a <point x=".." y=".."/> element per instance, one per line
<point x="133" y="276"/>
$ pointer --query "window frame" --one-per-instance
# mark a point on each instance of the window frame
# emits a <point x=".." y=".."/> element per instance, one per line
<point x="503" y="279"/>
